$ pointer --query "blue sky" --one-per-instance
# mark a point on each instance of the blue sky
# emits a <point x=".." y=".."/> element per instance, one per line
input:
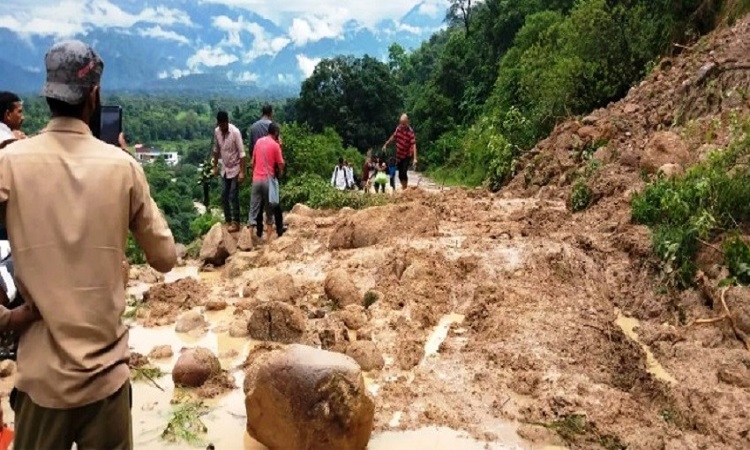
<point x="240" y="37"/>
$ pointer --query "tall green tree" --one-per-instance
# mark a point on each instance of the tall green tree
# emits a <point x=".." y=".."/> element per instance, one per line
<point x="357" y="97"/>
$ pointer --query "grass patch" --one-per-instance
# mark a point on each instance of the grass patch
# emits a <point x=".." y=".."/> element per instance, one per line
<point x="711" y="199"/>
<point x="576" y="427"/>
<point x="185" y="424"/>
<point x="133" y="307"/>
<point x="146" y="373"/>
<point x="316" y="193"/>
<point x="369" y="299"/>
<point x="580" y="196"/>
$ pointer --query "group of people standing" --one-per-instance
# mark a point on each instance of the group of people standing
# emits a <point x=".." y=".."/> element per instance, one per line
<point x="267" y="164"/>
<point x="378" y="171"/>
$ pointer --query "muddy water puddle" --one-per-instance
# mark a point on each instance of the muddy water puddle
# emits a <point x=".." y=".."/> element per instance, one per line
<point x="628" y="326"/>
<point x="225" y="417"/>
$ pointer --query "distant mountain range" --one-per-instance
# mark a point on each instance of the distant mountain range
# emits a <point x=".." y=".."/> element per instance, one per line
<point x="201" y="46"/>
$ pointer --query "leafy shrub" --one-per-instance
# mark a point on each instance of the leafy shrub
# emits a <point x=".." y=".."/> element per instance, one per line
<point x="580" y="197"/>
<point x="133" y="252"/>
<point x="317" y="193"/>
<point x="737" y="257"/>
<point x="203" y="223"/>
<point x="711" y="198"/>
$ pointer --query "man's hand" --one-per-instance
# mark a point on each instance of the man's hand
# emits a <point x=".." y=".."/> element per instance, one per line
<point x="215" y="171"/>
<point x="241" y="177"/>
<point x="22" y="317"/>
<point x="415" y="162"/>
<point x="18" y="134"/>
<point x="123" y="143"/>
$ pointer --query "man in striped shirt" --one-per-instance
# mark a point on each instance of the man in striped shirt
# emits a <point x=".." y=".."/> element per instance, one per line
<point x="406" y="149"/>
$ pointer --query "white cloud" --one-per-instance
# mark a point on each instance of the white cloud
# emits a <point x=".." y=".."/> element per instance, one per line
<point x="67" y="18"/>
<point x="369" y="13"/>
<point x="287" y="78"/>
<point x="158" y="32"/>
<point x="314" y="29"/>
<point x="243" y="77"/>
<point x="433" y="8"/>
<point x="211" y="57"/>
<point x="306" y="64"/>
<point x="176" y="73"/>
<point x="263" y="43"/>
<point x="409" y="29"/>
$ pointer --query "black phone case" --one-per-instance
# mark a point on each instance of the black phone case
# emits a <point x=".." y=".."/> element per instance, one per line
<point x="9" y="339"/>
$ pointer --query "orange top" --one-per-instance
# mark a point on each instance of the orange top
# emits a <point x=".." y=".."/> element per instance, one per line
<point x="6" y="438"/>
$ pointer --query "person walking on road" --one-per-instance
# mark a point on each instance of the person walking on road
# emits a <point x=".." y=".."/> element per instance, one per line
<point x="406" y="149"/>
<point x="68" y="241"/>
<point x="268" y="165"/>
<point x="228" y="146"/>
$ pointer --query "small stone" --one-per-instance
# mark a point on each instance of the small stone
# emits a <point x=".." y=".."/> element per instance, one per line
<point x="238" y="329"/>
<point x="161" y="352"/>
<point x="246" y="239"/>
<point x="366" y="354"/>
<point x="194" y="367"/>
<point x="340" y="289"/>
<point x="277" y="322"/>
<point x="590" y="120"/>
<point x="354" y="317"/>
<point x="216" y="305"/>
<point x="190" y="321"/>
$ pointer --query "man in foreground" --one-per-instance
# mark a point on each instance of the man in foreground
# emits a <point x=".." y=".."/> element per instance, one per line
<point x="268" y="163"/>
<point x="11" y="118"/>
<point x="68" y="238"/>
<point x="406" y="149"/>
<point x="229" y="147"/>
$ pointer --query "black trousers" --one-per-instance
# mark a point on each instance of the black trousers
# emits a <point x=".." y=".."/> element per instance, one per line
<point x="230" y="199"/>
<point x="206" y="196"/>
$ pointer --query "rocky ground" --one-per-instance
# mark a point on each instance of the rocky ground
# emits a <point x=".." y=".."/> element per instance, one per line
<point x="505" y="316"/>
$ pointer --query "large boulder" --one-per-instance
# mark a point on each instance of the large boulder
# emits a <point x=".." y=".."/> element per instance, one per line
<point x="218" y="245"/>
<point x="340" y="289"/>
<point x="277" y="322"/>
<point x="302" y="398"/>
<point x="665" y="147"/>
<point x="194" y="367"/>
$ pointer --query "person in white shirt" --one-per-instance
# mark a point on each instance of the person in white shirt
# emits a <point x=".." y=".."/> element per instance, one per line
<point x="349" y="175"/>
<point x="11" y="118"/>
<point x="340" y="179"/>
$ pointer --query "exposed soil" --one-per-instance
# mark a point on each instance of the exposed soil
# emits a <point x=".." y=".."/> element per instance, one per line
<point x="164" y="302"/>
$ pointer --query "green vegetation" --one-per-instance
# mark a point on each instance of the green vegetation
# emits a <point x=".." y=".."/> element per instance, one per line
<point x="710" y="200"/>
<point x="370" y="299"/>
<point x="575" y="427"/>
<point x="483" y="91"/>
<point x="185" y="424"/>
<point x="316" y="192"/>
<point x="580" y="197"/>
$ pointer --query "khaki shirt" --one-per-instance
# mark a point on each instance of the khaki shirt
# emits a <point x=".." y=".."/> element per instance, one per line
<point x="70" y="200"/>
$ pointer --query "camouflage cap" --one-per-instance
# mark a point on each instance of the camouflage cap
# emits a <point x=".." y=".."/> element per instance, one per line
<point x="72" y="69"/>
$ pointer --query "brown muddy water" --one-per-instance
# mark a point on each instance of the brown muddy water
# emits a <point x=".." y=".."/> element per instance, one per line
<point x="225" y="420"/>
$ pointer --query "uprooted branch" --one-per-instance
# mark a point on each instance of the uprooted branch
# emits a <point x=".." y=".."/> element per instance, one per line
<point x="726" y="316"/>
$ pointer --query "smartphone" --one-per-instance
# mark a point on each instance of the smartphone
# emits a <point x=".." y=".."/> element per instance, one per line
<point x="110" y="124"/>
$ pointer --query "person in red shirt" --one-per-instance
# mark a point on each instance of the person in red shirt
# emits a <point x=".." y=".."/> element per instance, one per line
<point x="268" y="163"/>
<point x="406" y="149"/>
